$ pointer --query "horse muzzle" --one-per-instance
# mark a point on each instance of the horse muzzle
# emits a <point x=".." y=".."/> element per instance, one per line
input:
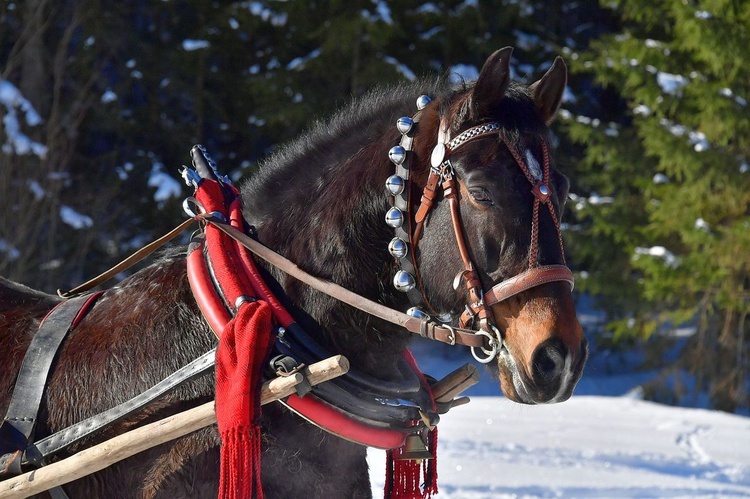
<point x="550" y="377"/>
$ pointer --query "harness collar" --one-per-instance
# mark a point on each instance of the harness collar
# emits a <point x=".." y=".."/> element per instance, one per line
<point x="354" y="406"/>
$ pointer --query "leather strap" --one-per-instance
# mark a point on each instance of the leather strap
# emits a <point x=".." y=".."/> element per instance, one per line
<point x="129" y="261"/>
<point x="36" y="452"/>
<point x="17" y="428"/>
<point x="527" y="280"/>
<point x="424" y="328"/>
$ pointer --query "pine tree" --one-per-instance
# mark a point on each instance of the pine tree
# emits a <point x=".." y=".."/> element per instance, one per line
<point x="665" y="226"/>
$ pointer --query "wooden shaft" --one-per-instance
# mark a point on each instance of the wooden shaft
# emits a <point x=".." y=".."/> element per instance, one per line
<point x="456" y="382"/>
<point x="128" y="444"/>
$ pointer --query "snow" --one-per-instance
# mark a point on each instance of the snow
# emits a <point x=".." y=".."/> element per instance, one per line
<point x="299" y="62"/>
<point x="166" y="185"/>
<point x="671" y="83"/>
<point x="266" y="14"/>
<point x="382" y="13"/>
<point x="460" y="73"/>
<point x="660" y="178"/>
<point x="659" y="252"/>
<point x="701" y="224"/>
<point x="16" y="141"/>
<point x="108" y="96"/>
<point x="589" y="446"/>
<point x="401" y="68"/>
<point x="8" y="250"/>
<point x="76" y="220"/>
<point x="191" y="45"/>
<point x="36" y="189"/>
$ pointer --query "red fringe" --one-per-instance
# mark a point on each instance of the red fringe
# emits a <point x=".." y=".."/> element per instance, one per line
<point x="240" y="464"/>
<point x="410" y="479"/>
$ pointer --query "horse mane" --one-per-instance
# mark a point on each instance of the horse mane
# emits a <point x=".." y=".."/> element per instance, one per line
<point x="16" y="298"/>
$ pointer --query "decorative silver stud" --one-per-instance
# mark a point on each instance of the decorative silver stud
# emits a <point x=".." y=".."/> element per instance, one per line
<point x="397" y="247"/>
<point x="404" y="281"/>
<point x="417" y="313"/>
<point x="438" y="155"/>
<point x="397" y="154"/>
<point x="422" y="101"/>
<point x="394" y="218"/>
<point x="404" y="124"/>
<point x="395" y="185"/>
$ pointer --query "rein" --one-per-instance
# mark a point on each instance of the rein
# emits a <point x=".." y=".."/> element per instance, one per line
<point x="443" y="175"/>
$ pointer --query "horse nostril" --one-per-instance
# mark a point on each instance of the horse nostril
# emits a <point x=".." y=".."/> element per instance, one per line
<point x="548" y="361"/>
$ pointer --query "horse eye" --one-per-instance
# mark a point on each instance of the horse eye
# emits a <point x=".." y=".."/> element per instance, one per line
<point x="480" y="195"/>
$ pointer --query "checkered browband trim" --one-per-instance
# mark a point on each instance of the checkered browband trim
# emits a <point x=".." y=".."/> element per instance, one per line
<point x="472" y="133"/>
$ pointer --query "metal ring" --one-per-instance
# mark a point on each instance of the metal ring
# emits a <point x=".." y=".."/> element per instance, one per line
<point x="497" y="341"/>
<point x="186" y="205"/>
<point x="243" y="299"/>
<point x="491" y="354"/>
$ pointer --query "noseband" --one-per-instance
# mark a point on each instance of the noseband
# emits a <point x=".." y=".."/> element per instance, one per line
<point x="408" y="232"/>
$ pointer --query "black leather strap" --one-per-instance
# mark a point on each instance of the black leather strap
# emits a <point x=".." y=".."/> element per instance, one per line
<point x="38" y="451"/>
<point x="17" y="428"/>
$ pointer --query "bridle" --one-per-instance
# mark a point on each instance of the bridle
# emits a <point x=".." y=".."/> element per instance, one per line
<point x="409" y="229"/>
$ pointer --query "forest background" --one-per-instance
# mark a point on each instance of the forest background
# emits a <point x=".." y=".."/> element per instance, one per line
<point x="101" y="100"/>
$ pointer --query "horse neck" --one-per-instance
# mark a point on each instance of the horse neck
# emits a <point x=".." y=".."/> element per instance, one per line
<point x="329" y="219"/>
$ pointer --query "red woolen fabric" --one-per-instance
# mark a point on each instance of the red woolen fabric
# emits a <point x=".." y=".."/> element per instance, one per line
<point x="244" y="346"/>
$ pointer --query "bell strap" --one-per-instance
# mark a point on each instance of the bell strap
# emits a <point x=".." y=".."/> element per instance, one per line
<point x="526" y="280"/>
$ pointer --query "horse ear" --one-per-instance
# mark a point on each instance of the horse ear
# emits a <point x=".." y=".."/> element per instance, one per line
<point x="493" y="80"/>
<point x="548" y="91"/>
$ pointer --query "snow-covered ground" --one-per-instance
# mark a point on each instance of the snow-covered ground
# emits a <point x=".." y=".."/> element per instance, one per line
<point x="589" y="446"/>
<point x="602" y="443"/>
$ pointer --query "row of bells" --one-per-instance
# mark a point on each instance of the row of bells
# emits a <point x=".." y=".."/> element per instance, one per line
<point x="395" y="185"/>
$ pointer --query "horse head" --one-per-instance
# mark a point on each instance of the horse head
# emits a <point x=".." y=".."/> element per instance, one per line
<point x="500" y="235"/>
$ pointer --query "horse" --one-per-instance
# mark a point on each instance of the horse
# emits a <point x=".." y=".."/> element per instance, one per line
<point x="320" y="201"/>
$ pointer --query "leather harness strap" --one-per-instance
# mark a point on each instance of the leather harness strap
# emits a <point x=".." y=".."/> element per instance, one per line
<point x="530" y="279"/>
<point x="17" y="429"/>
<point x="431" y="330"/>
<point x="39" y="450"/>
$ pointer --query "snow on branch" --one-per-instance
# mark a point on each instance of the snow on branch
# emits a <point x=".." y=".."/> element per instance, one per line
<point x="16" y="141"/>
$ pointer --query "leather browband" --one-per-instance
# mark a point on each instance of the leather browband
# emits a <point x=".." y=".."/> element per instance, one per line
<point x="526" y="280"/>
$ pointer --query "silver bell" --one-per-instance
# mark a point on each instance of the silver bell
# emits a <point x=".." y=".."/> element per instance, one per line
<point x="394" y="218"/>
<point x="395" y="185"/>
<point x="404" y="281"/>
<point x="397" y="154"/>
<point x="404" y="124"/>
<point x="397" y="247"/>
<point x="417" y="313"/>
<point x="422" y="101"/>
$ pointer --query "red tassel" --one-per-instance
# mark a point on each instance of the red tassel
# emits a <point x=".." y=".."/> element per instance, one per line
<point x="411" y="479"/>
<point x="240" y="463"/>
<point x="242" y="349"/>
<point x="430" y="466"/>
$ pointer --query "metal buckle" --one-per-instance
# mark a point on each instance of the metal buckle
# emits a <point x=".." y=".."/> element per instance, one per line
<point x="452" y="337"/>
